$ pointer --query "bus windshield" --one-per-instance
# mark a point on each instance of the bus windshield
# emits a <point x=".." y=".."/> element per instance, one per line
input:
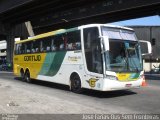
<point x="124" y="54"/>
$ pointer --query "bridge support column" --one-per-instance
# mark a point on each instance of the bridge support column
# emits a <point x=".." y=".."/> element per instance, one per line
<point x="29" y="29"/>
<point x="10" y="48"/>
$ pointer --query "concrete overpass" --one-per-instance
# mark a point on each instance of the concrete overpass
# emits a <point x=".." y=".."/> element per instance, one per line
<point x="46" y="15"/>
<point x="63" y="13"/>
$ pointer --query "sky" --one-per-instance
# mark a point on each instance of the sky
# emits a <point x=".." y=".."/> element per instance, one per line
<point x="145" y="21"/>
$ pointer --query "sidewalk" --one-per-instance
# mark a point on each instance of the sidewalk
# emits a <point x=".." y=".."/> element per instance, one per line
<point x="6" y="71"/>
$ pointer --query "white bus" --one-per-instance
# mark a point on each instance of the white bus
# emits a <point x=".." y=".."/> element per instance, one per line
<point x="3" y="49"/>
<point x="96" y="56"/>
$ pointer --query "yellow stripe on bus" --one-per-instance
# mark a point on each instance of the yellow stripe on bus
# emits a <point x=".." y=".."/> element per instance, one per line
<point x="33" y="62"/>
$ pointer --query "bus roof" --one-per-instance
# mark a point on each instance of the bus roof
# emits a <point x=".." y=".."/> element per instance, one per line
<point x="42" y="35"/>
<point x="47" y="34"/>
<point x="106" y="25"/>
<point x="71" y="29"/>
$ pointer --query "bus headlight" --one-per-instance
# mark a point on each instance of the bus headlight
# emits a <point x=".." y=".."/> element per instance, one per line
<point x="110" y="77"/>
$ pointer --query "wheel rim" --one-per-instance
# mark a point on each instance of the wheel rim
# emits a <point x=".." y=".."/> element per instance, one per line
<point x="76" y="84"/>
<point x="27" y="77"/>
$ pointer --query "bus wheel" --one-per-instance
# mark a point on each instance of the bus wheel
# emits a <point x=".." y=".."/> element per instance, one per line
<point x="27" y="77"/>
<point x="76" y="84"/>
<point x="22" y="75"/>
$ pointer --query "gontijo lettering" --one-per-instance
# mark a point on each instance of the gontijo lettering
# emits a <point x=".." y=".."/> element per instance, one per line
<point x="32" y="58"/>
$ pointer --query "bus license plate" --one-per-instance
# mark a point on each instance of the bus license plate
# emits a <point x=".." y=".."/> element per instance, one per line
<point x="128" y="85"/>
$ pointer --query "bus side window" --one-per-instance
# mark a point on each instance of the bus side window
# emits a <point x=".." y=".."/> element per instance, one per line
<point x="36" y="46"/>
<point x="23" y="48"/>
<point x="28" y="47"/>
<point x="53" y="46"/>
<point x="58" y="43"/>
<point x="63" y="42"/>
<point x="73" y="40"/>
<point x="20" y="48"/>
<point x="46" y="44"/>
<point x="41" y="46"/>
<point x="17" y="49"/>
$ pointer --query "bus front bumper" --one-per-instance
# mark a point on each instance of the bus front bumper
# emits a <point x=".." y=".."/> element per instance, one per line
<point x="111" y="85"/>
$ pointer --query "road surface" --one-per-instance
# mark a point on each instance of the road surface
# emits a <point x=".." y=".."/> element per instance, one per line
<point x="19" y="97"/>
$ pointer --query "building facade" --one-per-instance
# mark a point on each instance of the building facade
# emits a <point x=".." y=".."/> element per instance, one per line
<point x="152" y="34"/>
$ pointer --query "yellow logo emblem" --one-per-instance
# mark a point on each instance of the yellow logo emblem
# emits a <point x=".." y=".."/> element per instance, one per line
<point x="92" y="82"/>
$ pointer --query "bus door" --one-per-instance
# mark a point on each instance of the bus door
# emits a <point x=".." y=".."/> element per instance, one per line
<point x="92" y="51"/>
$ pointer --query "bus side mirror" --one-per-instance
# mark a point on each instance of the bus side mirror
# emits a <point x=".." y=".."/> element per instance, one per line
<point x="146" y="47"/>
<point x="105" y="42"/>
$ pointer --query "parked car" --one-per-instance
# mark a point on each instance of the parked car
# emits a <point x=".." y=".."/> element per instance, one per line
<point x="156" y="69"/>
<point x="6" y="66"/>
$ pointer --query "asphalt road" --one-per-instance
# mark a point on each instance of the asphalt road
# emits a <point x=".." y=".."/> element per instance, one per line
<point x="19" y="97"/>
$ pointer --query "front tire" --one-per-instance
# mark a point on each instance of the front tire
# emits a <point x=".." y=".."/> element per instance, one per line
<point x="76" y="84"/>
